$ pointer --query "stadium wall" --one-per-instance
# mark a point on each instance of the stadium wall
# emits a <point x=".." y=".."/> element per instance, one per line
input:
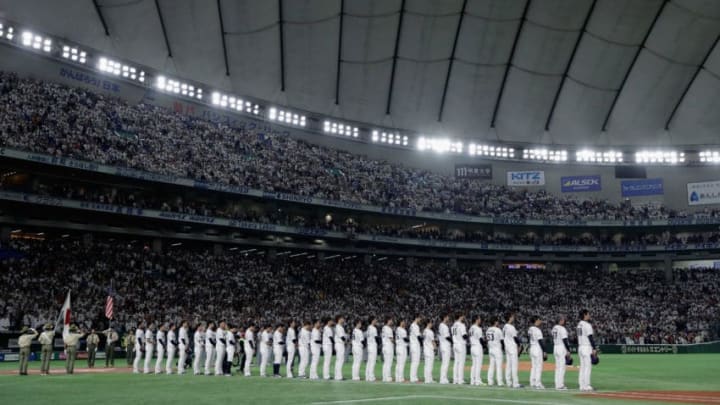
<point x="675" y="179"/>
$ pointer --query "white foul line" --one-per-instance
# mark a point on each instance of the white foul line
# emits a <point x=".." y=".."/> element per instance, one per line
<point x="477" y="399"/>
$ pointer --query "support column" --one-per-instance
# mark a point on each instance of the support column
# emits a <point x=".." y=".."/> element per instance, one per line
<point x="668" y="267"/>
<point x="5" y="234"/>
<point x="410" y="262"/>
<point x="218" y="249"/>
<point x="87" y="239"/>
<point x="453" y="263"/>
<point x="367" y="259"/>
<point x="157" y="245"/>
<point x="271" y="254"/>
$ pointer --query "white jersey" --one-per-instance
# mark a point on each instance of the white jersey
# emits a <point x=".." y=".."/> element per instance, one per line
<point x="161" y="342"/>
<point x="443" y="334"/>
<point x="327" y="338"/>
<point x="559" y="333"/>
<point x="357" y="338"/>
<point x="265" y="339"/>
<point x="171" y="340"/>
<point x="249" y="340"/>
<point x="494" y="337"/>
<point x="340" y="336"/>
<point x="183" y="338"/>
<point x="278" y="340"/>
<point x="371" y="336"/>
<point x="458" y="331"/>
<point x="220" y="339"/>
<point x="535" y="335"/>
<point x="510" y="333"/>
<point x="199" y="340"/>
<point x="291" y="337"/>
<point x="584" y="330"/>
<point x="149" y="338"/>
<point x="139" y="338"/>
<point x="476" y="335"/>
<point x="209" y="339"/>
<point x="305" y="338"/>
<point x="316" y="336"/>
<point x="428" y="338"/>
<point x="230" y="339"/>
<point x="414" y="334"/>
<point x="387" y="336"/>
<point x="400" y="336"/>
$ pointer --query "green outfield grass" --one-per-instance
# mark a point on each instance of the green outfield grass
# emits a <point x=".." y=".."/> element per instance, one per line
<point x="692" y="372"/>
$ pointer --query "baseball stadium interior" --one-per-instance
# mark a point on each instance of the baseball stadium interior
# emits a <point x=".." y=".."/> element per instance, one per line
<point x="489" y="193"/>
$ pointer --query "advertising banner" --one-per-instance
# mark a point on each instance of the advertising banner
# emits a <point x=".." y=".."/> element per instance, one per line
<point x="574" y="184"/>
<point x="526" y="178"/>
<point x="704" y="193"/>
<point x="644" y="187"/>
<point x="473" y="171"/>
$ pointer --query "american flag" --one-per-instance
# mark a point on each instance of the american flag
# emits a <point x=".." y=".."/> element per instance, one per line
<point x="109" y="305"/>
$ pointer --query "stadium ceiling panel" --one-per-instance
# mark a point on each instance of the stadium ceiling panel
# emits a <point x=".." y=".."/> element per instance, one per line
<point x="633" y="67"/>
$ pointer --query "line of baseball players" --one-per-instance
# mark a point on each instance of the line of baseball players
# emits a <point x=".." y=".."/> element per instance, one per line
<point x="214" y="347"/>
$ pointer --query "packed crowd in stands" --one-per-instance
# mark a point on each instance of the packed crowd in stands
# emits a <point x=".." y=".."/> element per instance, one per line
<point x="195" y="284"/>
<point x="73" y="122"/>
<point x="145" y="199"/>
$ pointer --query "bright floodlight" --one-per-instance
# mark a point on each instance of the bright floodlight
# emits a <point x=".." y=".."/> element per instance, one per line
<point x="7" y="32"/>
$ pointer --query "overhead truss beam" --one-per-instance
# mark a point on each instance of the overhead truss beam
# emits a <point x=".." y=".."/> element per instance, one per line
<point x="632" y="65"/>
<point x="508" y="65"/>
<point x="222" y="37"/>
<point x="395" y="58"/>
<point x="162" y="26"/>
<point x="452" y="60"/>
<point x="569" y="64"/>
<point x="690" y="83"/>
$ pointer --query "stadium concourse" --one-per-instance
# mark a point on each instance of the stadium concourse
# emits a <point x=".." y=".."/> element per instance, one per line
<point x="226" y="208"/>
<point x="74" y="122"/>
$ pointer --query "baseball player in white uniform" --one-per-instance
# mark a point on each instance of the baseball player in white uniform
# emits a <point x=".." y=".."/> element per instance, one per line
<point x="445" y="348"/>
<point x="198" y="349"/>
<point x="561" y="351"/>
<point x="459" y="338"/>
<point x="171" y="349"/>
<point x="220" y="343"/>
<point x="278" y="349"/>
<point x="230" y="343"/>
<point x="401" y="350"/>
<point x="265" y="348"/>
<point x="495" y="342"/>
<point x="340" y="339"/>
<point x="476" y="351"/>
<point x="315" y="349"/>
<point x="183" y="346"/>
<point x="586" y="349"/>
<point x="209" y="347"/>
<point x="358" y="339"/>
<point x="428" y="342"/>
<point x="304" y="349"/>
<point x="415" y="338"/>
<point x="249" y="343"/>
<point x="149" y="347"/>
<point x="537" y="353"/>
<point x="388" y="349"/>
<point x="371" y="338"/>
<point x="328" y="340"/>
<point x="139" y="347"/>
<point x="161" y="346"/>
<point x="512" y="351"/>
<point x="291" y="343"/>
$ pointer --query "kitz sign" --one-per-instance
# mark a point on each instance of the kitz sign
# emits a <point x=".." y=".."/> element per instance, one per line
<point x="526" y="178"/>
<point x="573" y="184"/>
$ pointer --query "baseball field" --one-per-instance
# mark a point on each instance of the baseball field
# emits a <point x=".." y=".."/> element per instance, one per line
<point x="622" y="378"/>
